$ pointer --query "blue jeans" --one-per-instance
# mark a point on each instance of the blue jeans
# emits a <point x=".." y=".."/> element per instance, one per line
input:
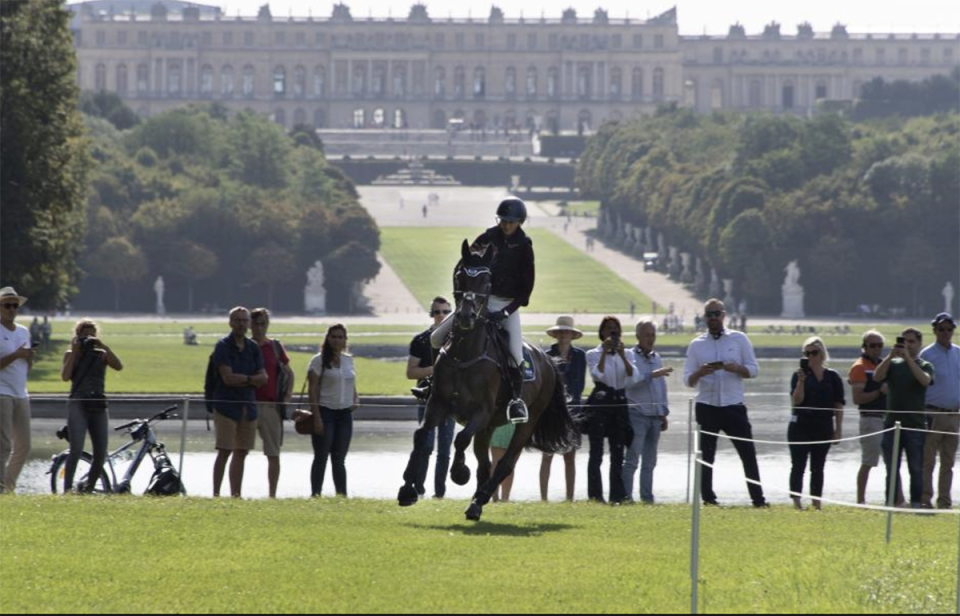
<point x="334" y="444"/>
<point x="444" y="438"/>
<point x="646" y="439"/>
<point x="913" y="444"/>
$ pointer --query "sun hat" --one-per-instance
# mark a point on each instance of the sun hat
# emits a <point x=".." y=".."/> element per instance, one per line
<point x="565" y="324"/>
<point x="9" y="293"/>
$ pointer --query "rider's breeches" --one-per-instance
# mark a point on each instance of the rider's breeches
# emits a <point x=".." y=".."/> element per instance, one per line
<point x="79" y="422"/>
<point x="511" y="324"/>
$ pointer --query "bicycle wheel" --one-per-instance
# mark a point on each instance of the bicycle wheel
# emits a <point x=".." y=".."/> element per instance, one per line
<point x="58" y="474"/>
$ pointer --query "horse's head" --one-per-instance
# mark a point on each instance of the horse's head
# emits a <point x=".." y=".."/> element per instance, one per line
<point x="473" y="282"/>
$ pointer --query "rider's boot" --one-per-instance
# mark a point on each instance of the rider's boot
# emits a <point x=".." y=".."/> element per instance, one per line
<point x="517" y="410"/>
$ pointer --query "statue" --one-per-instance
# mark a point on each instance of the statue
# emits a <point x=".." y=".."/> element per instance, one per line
<point x="687" y="275"/>
<point x="158" y="288"/>
<point x="793" y="294"/>
<point x="715" y="287"/>
<point x="315" y="294"/>
<point x="700" y="278"/>
<point x="948" y="295"/>
<point x="728" y="299"/>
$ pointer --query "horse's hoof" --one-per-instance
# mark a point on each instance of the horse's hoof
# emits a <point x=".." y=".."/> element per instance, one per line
<point x="408" y="496"/>
<point x="460" y="474"/>
<point x="474" y="511"/>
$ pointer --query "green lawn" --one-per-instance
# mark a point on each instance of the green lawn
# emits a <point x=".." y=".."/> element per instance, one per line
<point x="567" y="280"/>
<point x="110" y="555"/>
<point x="581" y="208"/>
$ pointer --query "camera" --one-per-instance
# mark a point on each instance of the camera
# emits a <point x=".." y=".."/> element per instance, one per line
<point x="88" y="343"/>
<point x="805" y="365"/>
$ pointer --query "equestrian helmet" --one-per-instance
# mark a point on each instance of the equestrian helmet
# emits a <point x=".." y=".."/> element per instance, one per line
<point x="512" y="210"/>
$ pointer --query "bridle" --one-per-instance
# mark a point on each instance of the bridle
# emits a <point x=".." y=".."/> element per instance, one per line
<point x="478" y="300"/>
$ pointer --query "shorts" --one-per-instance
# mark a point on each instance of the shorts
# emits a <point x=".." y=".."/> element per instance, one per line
<point x="502" y="436"/>
<point x="233" y="435"/>
<point x="270" y="427"/>
<point x="870" y="448"/>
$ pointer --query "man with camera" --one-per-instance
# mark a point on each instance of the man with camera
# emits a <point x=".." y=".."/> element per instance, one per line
<point x="871" y="397"/>
<point x="16" y="360"/>
<point x="907" y="376"/>
<point x="420" y="368"/>
<point x="718" y="362"/>
<point x="943" y="402"/>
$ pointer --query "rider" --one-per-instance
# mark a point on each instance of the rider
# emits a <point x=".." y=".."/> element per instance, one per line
<point x="513" y="280"/>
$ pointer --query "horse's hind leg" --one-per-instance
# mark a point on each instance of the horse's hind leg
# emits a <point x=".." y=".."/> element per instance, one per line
<point x="505" y="468"/>
<point x="459" y="472"/>
<point x="408" y="493"/>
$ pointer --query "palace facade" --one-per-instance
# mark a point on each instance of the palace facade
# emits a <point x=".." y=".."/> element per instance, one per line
<point x="423" y="72"/>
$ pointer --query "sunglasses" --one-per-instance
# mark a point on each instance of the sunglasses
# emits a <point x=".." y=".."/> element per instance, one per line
<point x="714" y="314"/>
<point x="811" y="353"/>
<point x="436" y="313"/>
<point x="946" y="330"/>
<point x="11" y="306"/>
<point x="874" y="345"/>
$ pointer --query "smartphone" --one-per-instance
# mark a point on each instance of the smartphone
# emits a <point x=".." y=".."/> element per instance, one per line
<point x="716" y="365"/>
<point x="901" y="342"/>
<point x="805" y="364"/>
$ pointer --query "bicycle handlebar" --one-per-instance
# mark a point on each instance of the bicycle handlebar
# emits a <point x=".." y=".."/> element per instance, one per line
<point x="162" y="415"/>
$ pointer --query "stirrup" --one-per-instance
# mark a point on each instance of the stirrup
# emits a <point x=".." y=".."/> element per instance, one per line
<point x="517" y="412"/>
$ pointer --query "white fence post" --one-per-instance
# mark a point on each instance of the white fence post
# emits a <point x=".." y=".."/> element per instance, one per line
<point x="183" y="434"/>
<point x="689" y="446"/>
<point x="894" y="480"/>
<point x="695" y="536"/>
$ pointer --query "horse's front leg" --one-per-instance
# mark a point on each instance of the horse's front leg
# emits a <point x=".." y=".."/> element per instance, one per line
<point x="485" y="489"/>
<point x="433" y="417"/>
<point x="459" y="472"/>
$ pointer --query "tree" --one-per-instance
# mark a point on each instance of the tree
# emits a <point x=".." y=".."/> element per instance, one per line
<point x="43" y="153"/>
<point x="258" y="151"/>
<point x="119" y="261"/>
<point x="110" y="107"/>
<point x="348" y="266"/>
<point x="270" y="265"/>
<point x="192" y="262"/>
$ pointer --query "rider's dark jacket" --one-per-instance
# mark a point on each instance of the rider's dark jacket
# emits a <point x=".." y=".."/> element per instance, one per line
<point x="513" y="266"/>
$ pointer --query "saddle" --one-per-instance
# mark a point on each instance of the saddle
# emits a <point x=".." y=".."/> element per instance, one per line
<point x="501" y="341"/>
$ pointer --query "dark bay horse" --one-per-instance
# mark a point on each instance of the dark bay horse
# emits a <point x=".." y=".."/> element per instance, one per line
<point x="469" y="385"/>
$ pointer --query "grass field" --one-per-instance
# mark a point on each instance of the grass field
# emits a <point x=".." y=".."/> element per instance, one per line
<point x="157" y="361"/>
<point x="109" y="555"/>
<point x="567" y="280"/>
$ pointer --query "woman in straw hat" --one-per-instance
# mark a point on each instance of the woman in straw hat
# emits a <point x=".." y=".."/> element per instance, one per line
<point x="573" y="366"/>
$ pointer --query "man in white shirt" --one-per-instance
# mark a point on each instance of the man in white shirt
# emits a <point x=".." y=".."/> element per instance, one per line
<point x="717" y="363"/>
<point x="16" y="359"/>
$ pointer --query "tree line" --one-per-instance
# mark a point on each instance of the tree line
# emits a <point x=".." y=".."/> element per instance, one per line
<point x="871" y="210"/>
<point x="227" y="208"/>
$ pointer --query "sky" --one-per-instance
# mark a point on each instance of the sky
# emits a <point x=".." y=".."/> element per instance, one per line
<point x="695" y="16"/>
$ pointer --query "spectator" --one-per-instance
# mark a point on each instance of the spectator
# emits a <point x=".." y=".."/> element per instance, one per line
<point x="271" y="397"/>
<point x="573" y="366"/>
<point x="420" y="368"/>
<point x="16" y="361"/>
<point x="499" y="443"/>
<point x="943" y="407"/>
<point x="908" y="377"/>
<point x="85" y="366"/>
<point x="189" y="336"/>
<point x="817" y="416"/>
<point x="36" y="336"/>
<point x="647" y="395"/>
<point x="333" y="398"/>
<point x="240" y="368"/>
<point x="46" y="330"/>
<point x="717" y="363"/>
<point x="871" y="397"/>
<point x="609" y="418"/>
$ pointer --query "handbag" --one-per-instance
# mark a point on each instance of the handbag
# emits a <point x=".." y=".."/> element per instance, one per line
<point x="303" y="418"/>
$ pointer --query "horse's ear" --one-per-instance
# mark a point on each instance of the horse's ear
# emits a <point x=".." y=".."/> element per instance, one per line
<point x="465" y="251"/>
<point x="488" y="254"/>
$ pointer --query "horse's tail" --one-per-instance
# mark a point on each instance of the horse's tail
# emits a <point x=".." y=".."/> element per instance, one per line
<point x="557" y="430"/>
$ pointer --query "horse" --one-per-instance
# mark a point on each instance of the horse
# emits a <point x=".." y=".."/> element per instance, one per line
<point x="470" y="385"/>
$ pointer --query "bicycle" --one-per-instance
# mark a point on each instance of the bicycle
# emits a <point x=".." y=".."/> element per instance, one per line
<point x="165" y="480"/>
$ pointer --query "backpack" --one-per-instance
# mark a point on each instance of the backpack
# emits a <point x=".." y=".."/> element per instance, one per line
<point x="210" y="383"/>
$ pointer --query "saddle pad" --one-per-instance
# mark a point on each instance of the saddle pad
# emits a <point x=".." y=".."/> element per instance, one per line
<point x="529" y="368"/>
